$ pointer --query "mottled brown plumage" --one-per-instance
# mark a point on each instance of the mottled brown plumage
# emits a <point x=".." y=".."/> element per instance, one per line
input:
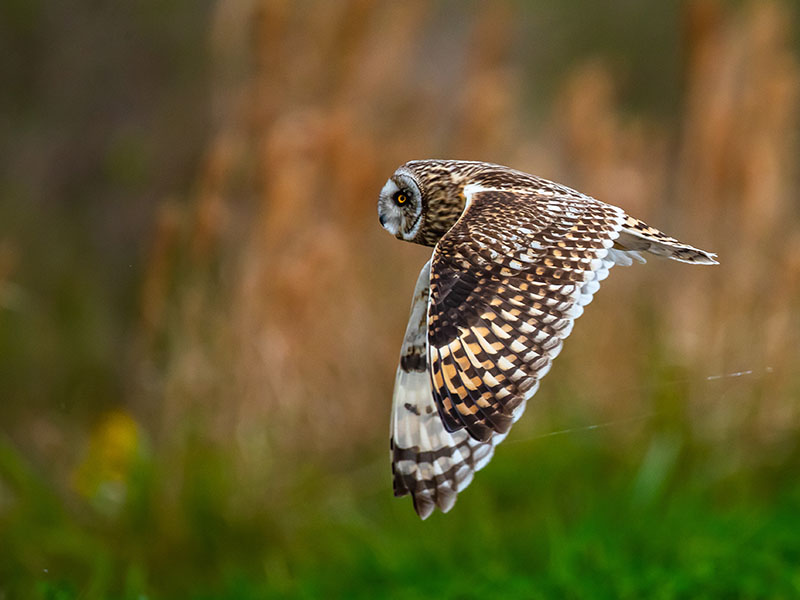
<point x="515" y="260"/>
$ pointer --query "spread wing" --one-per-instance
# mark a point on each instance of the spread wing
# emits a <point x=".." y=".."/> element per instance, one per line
<point x="428" y="462"/>
<point x="507" y="282"/>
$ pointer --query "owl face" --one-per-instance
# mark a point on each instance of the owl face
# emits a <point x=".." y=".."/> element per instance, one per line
<point x="400" y="206"/>
<point x="423" y="199"/>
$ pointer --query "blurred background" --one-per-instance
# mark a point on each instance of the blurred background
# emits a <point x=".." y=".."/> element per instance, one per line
<point x="200" y="316"/>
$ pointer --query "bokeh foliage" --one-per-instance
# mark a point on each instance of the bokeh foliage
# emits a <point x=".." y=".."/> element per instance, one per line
<point x="200" y="317"/>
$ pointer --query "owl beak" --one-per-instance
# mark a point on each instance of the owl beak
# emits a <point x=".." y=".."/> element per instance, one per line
<point x="382" y="220"/>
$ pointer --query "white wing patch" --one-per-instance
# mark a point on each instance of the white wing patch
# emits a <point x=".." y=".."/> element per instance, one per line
<point x="429" y="462"/>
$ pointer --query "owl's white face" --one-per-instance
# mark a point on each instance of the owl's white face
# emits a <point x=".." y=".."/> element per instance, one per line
<point x="400" y="207"/>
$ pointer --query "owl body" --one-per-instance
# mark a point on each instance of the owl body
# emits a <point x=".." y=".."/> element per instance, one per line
<point x="515" y="260"/>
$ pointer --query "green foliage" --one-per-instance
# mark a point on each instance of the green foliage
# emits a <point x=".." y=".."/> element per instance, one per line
<point x="559" y="517"/>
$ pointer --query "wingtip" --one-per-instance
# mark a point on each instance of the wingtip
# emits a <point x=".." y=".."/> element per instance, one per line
<point x="697" y="257"/>
<point x="423" y="505"/>
<point x="708" y="258"/>
<point x="446" y="498"/>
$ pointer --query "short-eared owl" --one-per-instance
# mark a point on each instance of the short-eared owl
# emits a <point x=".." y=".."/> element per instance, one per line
<point x="515" y="260"/>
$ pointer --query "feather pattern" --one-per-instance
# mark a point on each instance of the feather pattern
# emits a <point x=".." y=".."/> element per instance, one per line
<point x="497" y="319"/>
<point x="428" y="462"/>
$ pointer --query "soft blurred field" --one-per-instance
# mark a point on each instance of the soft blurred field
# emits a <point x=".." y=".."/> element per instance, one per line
<point x="200" y="316"/>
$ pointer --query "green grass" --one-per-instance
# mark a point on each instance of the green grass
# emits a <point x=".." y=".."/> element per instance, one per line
<point x="572" y="516"/>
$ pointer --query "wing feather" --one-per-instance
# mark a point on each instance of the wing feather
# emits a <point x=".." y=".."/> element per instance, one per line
<point x="507" y="282"/>
<point x="429" y="462"/>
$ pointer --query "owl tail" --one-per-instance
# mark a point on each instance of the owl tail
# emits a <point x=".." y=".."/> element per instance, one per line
<point x="637" y="236"/>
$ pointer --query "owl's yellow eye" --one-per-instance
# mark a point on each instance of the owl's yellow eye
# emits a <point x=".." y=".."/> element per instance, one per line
<point x="400" y="198"/>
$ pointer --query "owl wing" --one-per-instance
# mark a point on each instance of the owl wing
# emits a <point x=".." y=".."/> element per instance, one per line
<point x="428" y="462"/>
<point x="507" y="282"/>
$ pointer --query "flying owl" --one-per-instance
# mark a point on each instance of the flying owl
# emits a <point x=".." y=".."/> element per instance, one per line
<point x="515" y="260"/>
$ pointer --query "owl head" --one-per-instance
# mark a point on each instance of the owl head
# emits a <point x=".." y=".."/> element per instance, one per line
<point x="422" y="200"/>
<point x="400" y="205"/>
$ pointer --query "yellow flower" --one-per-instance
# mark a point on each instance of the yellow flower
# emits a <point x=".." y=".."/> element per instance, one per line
<point x="113" y="447"/>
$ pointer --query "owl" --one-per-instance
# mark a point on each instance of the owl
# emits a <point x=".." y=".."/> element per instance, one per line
<point x="515" y="260"/>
